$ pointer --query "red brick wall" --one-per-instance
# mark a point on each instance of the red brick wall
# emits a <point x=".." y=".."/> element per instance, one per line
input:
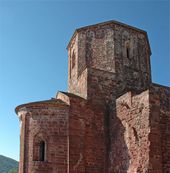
<point x="160" y="128"/>
<point x="22" y="118"/>
<point x="129" y="134"/>
<point x="87" y="140"/>
<point x="49" y="123"/>
<point x="103" y="49"/>
<point x="101" y="86"/>
<point x="76" y="135"/>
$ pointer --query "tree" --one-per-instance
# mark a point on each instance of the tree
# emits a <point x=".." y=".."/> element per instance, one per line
<point x="13" y="171"/>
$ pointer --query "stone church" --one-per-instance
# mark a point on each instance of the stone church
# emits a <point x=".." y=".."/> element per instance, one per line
<point x="113" y="119"/>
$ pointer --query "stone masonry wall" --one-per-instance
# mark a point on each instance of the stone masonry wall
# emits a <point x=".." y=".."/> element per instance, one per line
<point x="130" y="133"/>
<point x="160" y="128"/>
<point x="50" y="124"/>
<point x="132" y="60"/>
<point x="121" y="52"/>
<point x="76" y="135"/>
<point x="101" y="86"/>
<point x="22" y="118"/>
<point x="77" y="83"/>
<point x="87" y="141"/>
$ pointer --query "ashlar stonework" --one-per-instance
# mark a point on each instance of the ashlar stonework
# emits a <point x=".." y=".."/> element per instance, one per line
<point x="113" y="119"/>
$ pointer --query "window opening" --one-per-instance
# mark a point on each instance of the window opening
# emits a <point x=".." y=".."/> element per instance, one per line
<point x="73" y="60"/>
<point x="42" y="151"/>
<point x="127" y="52"/>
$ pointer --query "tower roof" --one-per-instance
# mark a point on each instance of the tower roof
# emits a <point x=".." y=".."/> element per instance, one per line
<point x="109" y="23"/>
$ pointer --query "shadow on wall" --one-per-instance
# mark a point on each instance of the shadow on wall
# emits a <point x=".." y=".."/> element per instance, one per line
<point x="119" y="158"/>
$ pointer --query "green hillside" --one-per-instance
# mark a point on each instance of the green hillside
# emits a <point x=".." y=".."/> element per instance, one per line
<point x="8" y="165"/>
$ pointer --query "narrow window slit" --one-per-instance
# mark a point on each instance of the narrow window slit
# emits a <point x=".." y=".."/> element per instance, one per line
<point x="73" y="58"/>
<point x="127" y="52"/>
<point x="42" y="151"/>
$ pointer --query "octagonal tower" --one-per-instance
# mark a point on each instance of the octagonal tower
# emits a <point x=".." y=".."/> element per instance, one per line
<point x="108" y="59"/>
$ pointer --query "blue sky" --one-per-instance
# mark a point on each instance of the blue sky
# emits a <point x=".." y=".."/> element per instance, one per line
<point x="33" y="56"/>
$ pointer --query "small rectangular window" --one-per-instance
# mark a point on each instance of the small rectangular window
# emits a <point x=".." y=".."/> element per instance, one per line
<point x="42" y="151"/>
<point x="127" y="52"/>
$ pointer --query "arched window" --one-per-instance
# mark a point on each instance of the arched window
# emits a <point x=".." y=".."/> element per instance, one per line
<point x="42" y="151"/>
<point x="127" y="52"/>
<point x="40" y="148"/>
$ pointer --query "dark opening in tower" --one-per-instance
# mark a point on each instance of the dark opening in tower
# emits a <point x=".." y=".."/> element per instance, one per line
<point x="127" y="52"/>
<point x="42" y="151"/>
